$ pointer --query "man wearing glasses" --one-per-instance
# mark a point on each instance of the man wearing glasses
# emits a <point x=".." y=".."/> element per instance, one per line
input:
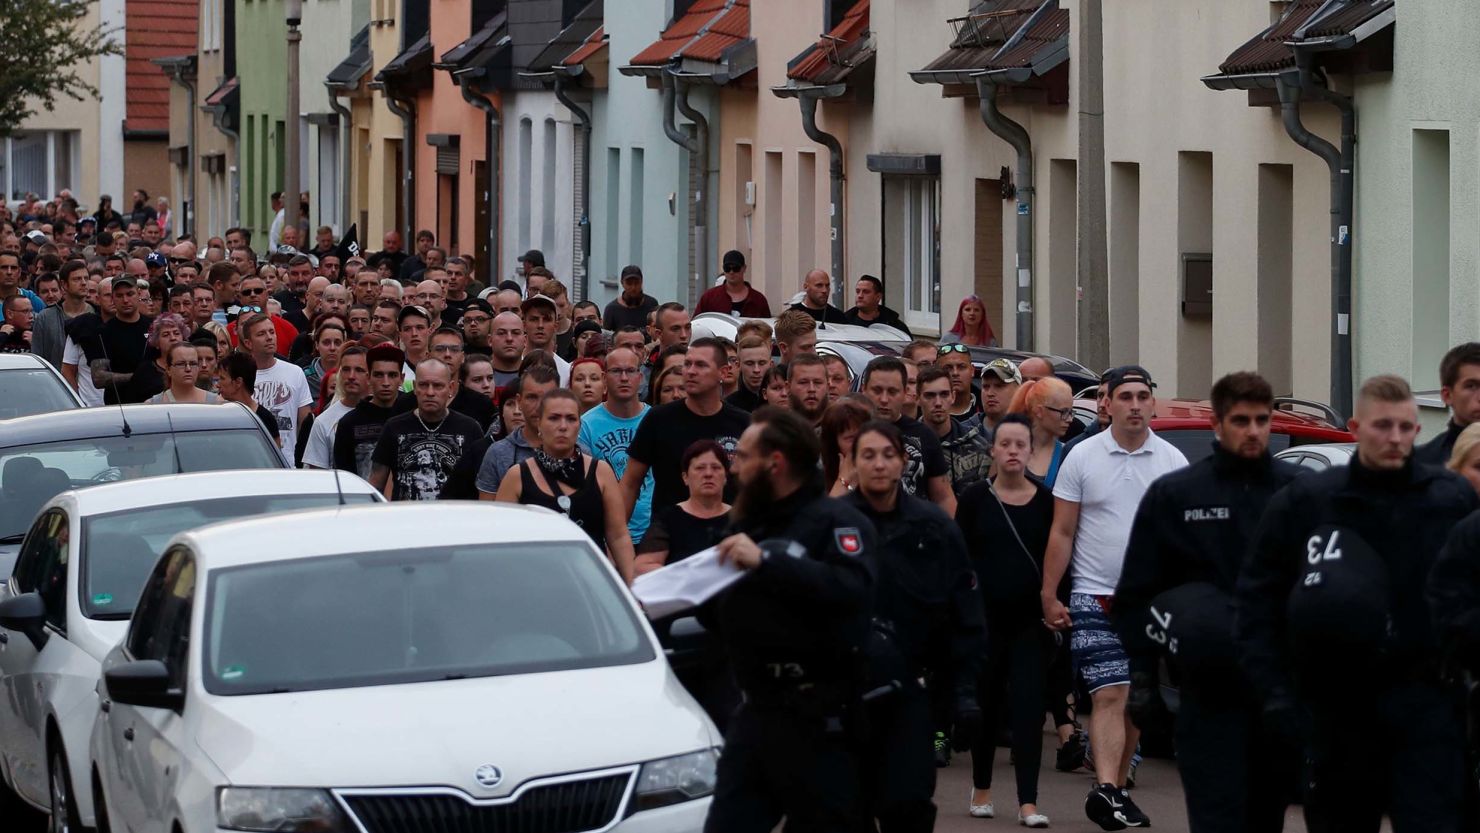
<point x="608" y="428"/>
<point x="447" y="346"/>
<point x="477" y="326"/>
<point x="253" y="296"/>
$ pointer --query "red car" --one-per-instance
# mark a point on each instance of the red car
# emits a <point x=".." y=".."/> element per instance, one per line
<point x="1185" y="423"/>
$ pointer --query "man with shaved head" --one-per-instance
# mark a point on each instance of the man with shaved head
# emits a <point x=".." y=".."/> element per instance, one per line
<point x="816" y="287"/>
<point x="506" y="341"/>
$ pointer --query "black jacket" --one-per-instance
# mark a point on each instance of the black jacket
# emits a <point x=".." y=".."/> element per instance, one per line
<point x="1405" y="516"/>
<point x="1436" y="452"/>
<point x="926" y="590"/>
<point x="800" y="619"/>
<point x="1194" y="524"/>
<point x="1454" y="594"/>
<point x="887" y="317"/>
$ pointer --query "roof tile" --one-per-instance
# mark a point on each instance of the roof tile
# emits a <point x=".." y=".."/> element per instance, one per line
<point x="587" y="50"/>
<point x="154" y="29"/>
<point x="704" y="32"/>
<point x="1267" y="52"/>
<point x="828" y="53"/>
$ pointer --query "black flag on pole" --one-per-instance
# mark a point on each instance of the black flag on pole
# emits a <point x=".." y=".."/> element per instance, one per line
<point x="349" y="246"/>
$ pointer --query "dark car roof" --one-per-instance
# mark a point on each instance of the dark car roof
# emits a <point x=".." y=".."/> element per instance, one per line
<point x="108" y="420"/>
<point x="1075" y="374"/>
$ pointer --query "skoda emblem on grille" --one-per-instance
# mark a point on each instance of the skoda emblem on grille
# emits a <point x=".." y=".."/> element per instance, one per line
<point x="488" y="775"/>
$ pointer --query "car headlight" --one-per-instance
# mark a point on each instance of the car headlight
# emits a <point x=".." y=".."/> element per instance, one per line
<point x="675" y="780"/>
<point x="278" y="810"/>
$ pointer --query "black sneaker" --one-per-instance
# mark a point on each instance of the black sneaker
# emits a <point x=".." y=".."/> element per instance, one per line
<point x="1070" y="756"/>
<point x="1133" y="815"/>
<point x="942" y="750"/>
<point x="1105" y="806"/>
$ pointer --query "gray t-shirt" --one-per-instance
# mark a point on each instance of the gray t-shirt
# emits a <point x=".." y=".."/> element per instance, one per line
<point x="502" y="456"/>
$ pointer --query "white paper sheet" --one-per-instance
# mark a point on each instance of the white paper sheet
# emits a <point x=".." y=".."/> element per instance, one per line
<point x="685" y="584"/>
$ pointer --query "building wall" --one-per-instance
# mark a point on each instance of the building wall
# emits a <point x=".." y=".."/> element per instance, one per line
<point x="261" y="54"/>
<point x="215" y="208"/>
<point x="180" y="136"/>
<point x="1416" y="289"/>
<point x="634" y="224"/>
<point x="787" y="232"/>
<point x="380" y="174"/>
<point x="538" y="151"/>
<point x="86" y="116"/>
<point x="146" y="165"/>
<point x="328" y="26"/>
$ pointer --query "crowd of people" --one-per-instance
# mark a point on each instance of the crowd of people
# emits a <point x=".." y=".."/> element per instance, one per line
<point x="938" y="555"/>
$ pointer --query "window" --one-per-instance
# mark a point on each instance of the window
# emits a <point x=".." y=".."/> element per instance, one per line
<point x="526" y="159"/>
<point x="161" y="626"/>
<point x="42" y="565"/>
<point x="912" y="248"/>
<point x="547" y="189"/>
<point x="40" y="162"/>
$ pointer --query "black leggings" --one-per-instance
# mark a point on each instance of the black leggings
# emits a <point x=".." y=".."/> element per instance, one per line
<point x="1016" y="673"/>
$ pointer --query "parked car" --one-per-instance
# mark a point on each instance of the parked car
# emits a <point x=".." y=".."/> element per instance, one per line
<point x="1319" y="456"/>
<point x="1187" y="424"/>
<point x="726" y="325"/>
<point x="30" y="385"/>
<point x="860" y="352"/>
<point x="69" y="599"/>
<point x="394" y="669"/>
<point x="43" y="456"/>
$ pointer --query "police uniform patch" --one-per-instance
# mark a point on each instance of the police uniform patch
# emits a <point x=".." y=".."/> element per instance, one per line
<point x="849" y="540"/>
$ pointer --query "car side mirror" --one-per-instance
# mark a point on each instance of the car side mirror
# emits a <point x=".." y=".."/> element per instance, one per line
<point x="25" y="614"/>
<point x="144" y="683"/>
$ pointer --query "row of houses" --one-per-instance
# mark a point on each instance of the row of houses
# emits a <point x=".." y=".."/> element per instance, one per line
<point x="1173" y="183"/>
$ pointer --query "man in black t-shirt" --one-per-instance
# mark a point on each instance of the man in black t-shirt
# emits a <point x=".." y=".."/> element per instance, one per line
<point x="121" y="341"/>
<point x="668" y="430"/>
<point x="418" y="450"/>
<point x="358" y="431"/>
<point x="631" y="308"/>
<point x="926" y="472"/>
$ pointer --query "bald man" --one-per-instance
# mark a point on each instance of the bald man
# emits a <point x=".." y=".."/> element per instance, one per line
<point x="1035" y="368"/>
<point x="816" y="287"/>
<point x="506" y="301"/>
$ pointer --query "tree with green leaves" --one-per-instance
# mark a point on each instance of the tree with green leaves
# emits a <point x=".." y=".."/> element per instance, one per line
<point x="44" y="44"/>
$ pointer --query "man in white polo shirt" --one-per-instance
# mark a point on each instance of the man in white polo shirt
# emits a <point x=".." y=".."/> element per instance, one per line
<point x="1098" y="490"/>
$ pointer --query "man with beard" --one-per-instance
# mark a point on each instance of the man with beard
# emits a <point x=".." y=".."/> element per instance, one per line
<point x="418" y="450"/>
<point x="447" y="346"/>
<point x="668" y="430"/>
<point x="352" y="382"/>
<point x="926" y="472"/>
<point x="631" y="307"/>
<point x="477" y="326"/>
<point x="358" y="431"/>
<point x="793" y="627"/>
<point x="806" y="385"/>
<point x="968" y="451"/>
<point x="816" y="288"/>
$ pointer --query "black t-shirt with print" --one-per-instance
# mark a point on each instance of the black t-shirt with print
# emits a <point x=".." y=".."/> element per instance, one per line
<point x="923" y="457"/>
<point x="422" y="455"/>
<point x="359" y="430"/>
<point x="668" y="430"/>
<point x="123" y="345"/>
<point x="269" y="421"/>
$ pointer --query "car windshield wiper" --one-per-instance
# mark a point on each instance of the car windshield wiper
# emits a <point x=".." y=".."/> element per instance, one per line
<point x="13" y="539"/>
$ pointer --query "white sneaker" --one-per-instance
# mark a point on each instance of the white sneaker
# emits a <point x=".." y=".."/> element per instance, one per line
<point x="982" y="811"/>
<point x="1034" y="820"/>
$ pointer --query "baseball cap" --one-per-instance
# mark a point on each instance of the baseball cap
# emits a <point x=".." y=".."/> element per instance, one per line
<point x="584" y="327"/>
<point x="633" y="271"/>
<point x="480" y="305"/>
<point x="534" y="257"/>
<point x="1126" y="374"/>
<point x="540" y="300"/>
<point x="410" y="310"/>
<point x="155" y="260"/>
<point x="35" y="236"/>
<point x="1004" y="370"/>
<point x="733" y="261"/>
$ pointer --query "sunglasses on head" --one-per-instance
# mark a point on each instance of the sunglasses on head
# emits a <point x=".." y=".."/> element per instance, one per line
<point x="956" y="347"/>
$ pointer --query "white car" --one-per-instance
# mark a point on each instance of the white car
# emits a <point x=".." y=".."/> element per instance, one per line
<point x="69" y="598"/>
<point x="30" y="385"/>
<point x="1319" y="456"/>
<point x="724" y="325"/>
<point x="395" y="669"/>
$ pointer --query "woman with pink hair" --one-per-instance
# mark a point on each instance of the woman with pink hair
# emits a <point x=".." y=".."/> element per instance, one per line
<point x="971" y="325"/>
<point x="1048" y="403"/>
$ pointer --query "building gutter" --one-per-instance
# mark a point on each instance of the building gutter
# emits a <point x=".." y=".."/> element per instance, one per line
<point x="405" y="110"/>
<point x="182" y="70"/>
<point x="698" y="145"/>
<point x="346" y="132"/>
<point x="1016" y="135"/>
<point x="1293" y="86"/>
<point x="808" y="98"/>
<point x="583" y="119"/>
<point x="465" y="80"/>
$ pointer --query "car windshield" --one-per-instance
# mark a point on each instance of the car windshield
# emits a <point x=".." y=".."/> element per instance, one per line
<point x="404" y="616"/>
<point x="120" y="548"/>
<point x="1197" y="443"/>
<point x="30" y="475"/>
<point x="27" y="391"/>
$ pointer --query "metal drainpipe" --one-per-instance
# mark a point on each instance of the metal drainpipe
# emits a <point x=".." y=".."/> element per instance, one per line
<point x="1342" y="164"/>
<point x="345" y="145"/>
<point x="809" y="99"/>
<point x="407" y="113"/>
<point x="583" y="290"/>
<point x="190" y="154"/>
<point x="695" y="145"/>
<point x="490" y="155"/>
<point x="1017" y="136"/>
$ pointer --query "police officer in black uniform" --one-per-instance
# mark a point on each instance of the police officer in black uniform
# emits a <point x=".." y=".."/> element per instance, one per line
<point x="1187" y="544"/>
<point x="928" y="612"/>
<point x="1333" y="627"/>
<point x="1454" y="600"/>
<point x="794" y="629"/>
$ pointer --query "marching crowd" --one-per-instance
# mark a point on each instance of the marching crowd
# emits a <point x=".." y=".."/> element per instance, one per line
<point x="938" y="556"/>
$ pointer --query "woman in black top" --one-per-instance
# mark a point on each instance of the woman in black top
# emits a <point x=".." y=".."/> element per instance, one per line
<point x="561" y="478"/>
<point x="695" y="524"/>
<point x="1006" y="523"/>
<point x="149" y="377"/>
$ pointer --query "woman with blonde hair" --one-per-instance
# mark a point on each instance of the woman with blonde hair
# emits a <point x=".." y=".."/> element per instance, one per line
<point x="1464" y="460"/>
<point x="1048" y="403"/>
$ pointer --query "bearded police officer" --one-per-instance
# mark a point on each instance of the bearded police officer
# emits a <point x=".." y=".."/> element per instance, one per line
<point x="1188" y="541"/>
<point x="930" y="611"/>
<point x="794" y="628"/>
<point x="1334" y="630"/>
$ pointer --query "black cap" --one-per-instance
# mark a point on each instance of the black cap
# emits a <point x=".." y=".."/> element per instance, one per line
<point x="587" y="326"/>
<point x="480" y="305"/>
<point x="1125" y="374"/>
<point x="533" y="257"/>
<point x="733" y="261"/>
<point x="507" y="286"/>
<point x="633" y="271"/>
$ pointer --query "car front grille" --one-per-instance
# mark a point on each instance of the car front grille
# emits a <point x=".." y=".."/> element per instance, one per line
<point x="566" y="807"/>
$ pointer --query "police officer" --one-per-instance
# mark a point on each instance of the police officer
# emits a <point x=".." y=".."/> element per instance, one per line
<point x="1187" y="543"/>
<point x="794" y="628"/>
<point x="1454" y="599"/>
<point x="929" y="610"/>
<point x="1332" y="626"/>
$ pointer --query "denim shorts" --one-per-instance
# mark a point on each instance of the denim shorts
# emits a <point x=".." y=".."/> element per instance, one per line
<point x="1095" y="645"/>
